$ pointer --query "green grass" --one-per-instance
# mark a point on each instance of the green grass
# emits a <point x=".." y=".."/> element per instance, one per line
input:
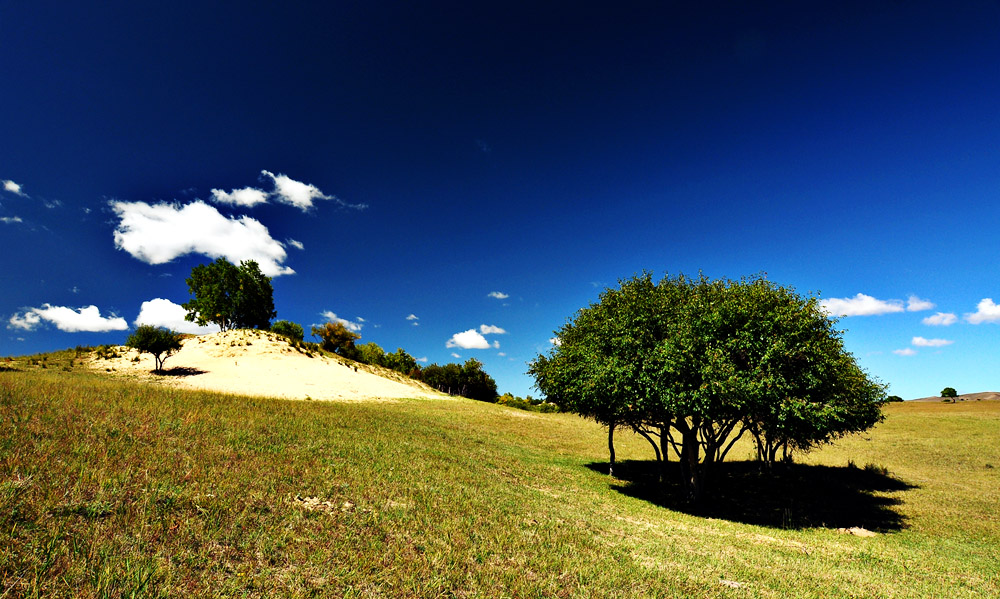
<point x="113" y="489"/>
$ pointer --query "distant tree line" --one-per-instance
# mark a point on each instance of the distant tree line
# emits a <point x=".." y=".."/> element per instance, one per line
<point x="468" y="380"/>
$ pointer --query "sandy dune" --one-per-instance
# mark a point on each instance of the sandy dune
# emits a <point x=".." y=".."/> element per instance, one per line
<point x="260" y="363"/>
<point x="985" y="395"/>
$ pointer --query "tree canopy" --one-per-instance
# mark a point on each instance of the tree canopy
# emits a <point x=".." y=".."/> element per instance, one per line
<point x="337" y="338"/>
<point x="949" y="392"/>
<point x="468" y="380"/>
<point x="233" y="297"/>
<point x="289" y="329"/>
<point x="693" y="364"/>
<point x="156" y="341"/>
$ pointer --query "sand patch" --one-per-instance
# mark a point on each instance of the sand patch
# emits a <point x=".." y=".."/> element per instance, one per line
<point x="260" y="363"/>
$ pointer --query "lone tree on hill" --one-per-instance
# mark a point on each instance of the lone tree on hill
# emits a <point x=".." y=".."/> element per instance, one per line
<point x="233" y="297"/>
<point x="949" y="392"/>
<point x="337" y="338"/>
<point x="692" y="365"/>
<point x="156" y="341"/>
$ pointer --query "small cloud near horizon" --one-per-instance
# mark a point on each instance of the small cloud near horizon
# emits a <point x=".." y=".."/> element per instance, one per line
<point x="986" y="311"/>
<point x="909" y="351"/>
<point x="921" y="342"/>
<point x="82" y="320"/>
<point x="498" y="295"/>
<point x="860" y="305"/>
<point x="941" y="319"/>
<point x="160" y="312"/>
<point x="354" y="326"/>
<point x="915" y="304"/>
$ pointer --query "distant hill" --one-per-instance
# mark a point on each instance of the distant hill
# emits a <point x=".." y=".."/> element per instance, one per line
<point x="983" y="396"/>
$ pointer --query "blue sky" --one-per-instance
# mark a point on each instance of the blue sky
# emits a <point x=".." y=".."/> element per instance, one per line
<point x="458" y="179"/>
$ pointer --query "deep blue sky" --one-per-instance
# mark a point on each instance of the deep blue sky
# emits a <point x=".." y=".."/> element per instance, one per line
<point x="539" y="150"/>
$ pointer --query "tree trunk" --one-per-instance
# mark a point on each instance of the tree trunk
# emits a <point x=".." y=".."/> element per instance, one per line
<point x="690" y="466"/>
<point x="611" y="449"/>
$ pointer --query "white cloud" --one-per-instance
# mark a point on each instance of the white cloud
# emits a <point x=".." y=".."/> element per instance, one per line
<point x="13" y="188"/>
<point x="498" y="295"/>
<point x="159" y="233"/>
<point x="454" y="355"/>
<point x="555" y="341"/>
<point x="941" y="319"/>
<point x="488" y="329"/>
<point x="10" y="219"/>
<point x="246" y="197"/>
<point x="470" y="339"/>
<point x="299" y="194"/>
<point x="296" y="244"/>
<point x="909" y="351"/>
<point x="496" y="345"/>
<point x="424" y="359"/>
<point x="295" y="193"/>
<point x="860" y="305"/>
<point x="921" y="342"/>
<point x="86" y="319"/>
<point x="986" y="311"/>
<point x="915" y="304"/>
<point x="502" y="354"/>
<point x="412" y="317"/>
<point x="351" y="326"/>
<point x="161" y="312"/>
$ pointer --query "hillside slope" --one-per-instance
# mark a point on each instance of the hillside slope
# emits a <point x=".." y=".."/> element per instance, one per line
<point x="985" y="395"/>
<point x="250" y="362"/>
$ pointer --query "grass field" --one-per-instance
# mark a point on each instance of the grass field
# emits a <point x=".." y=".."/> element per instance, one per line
<point x="113" y="489"/>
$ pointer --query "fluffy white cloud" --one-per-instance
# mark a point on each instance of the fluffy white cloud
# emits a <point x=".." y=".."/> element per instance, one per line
<point x="986" y="311"/>
<point x="424" y="359"/>
<point x="13" y="188"/>
<point x="349" y="325"/>
<point x="246" y="197"/>
<point x="299" y="194"/>
<point x="295" y="193"/>
<point x="412" y="317"/>
<point x="161" y="312"/>
<point x="488" y="329"/>
<point x="10" y="219"/>
<point x="915" y="304"/>
<point x="158" y="233"/>
<point x="555" y="341"/>
<point x="86" y="319"/>
<point x="860" y="305"/>
<point x="296" y="244"/>
<point x="498" y="295"/>
<point x="941" y="319"/>
<point x="470" y="339"/>
<point x="921" y="342"/>
<point x="454" y="355"/>
<point x="909" y="351"/>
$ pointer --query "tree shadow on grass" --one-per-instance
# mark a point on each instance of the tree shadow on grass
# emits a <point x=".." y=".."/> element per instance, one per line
<point x="790" y="496"/>
<point x="180" y="371"/>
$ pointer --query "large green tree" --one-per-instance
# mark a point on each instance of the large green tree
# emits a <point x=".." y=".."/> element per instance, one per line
<point x="233" y="297"/>
<point x="693" y="364"/>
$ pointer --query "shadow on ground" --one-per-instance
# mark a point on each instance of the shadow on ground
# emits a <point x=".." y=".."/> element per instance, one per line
<point x="180" y="371"/>
<point x="791" y="496"/>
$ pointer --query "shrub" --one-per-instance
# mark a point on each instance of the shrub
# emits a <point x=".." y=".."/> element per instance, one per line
<point x="288" y="329"/>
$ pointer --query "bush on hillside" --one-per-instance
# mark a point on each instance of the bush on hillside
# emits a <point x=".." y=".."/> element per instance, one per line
<point x="288" y="329"/>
